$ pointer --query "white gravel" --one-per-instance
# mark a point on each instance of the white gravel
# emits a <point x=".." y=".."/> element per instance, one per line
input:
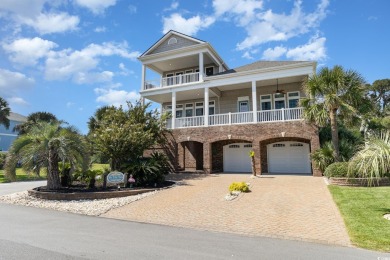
<point x="86" y="207"/>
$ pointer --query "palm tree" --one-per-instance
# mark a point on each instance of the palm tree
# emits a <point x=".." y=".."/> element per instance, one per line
<point x="373" y="160"/>
<point x="331" y="93"/>
<point x="4" y="113"/>
<point x="33" y="119"/>
<point x="45" y="145"/>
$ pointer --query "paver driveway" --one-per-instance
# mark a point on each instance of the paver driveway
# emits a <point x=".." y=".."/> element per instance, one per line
<point x="292" y="207"/>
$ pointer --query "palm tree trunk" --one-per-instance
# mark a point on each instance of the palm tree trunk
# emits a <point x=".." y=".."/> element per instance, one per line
<point x="335" y="135"/>
<point x="53" y="175"/>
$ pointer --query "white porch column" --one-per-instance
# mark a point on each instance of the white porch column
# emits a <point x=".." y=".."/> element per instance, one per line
<point x="220" y="68"/>
<point x="143" y="77"/>
<point x="206" y="106"/>
<point x="254" y="101"/>
<point x="173" y="109"/>
<point x="201" y="66"/>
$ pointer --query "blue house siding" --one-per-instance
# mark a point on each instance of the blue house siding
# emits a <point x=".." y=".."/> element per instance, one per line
<point x="7" y="136"/>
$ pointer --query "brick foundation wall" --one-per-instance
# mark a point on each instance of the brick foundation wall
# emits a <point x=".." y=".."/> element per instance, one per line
<point x="215" y="137"/>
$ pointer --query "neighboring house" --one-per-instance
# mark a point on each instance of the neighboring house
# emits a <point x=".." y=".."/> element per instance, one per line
<point x="7" y="136"/>
<point x="220" y="114"/>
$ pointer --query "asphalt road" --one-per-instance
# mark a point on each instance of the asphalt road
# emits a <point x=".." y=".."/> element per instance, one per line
<point x="12" y="187"/>
<point x="32" y="233"/>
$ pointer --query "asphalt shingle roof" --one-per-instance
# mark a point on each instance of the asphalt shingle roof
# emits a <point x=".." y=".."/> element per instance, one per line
<point x="17" y="117"/>
<point x="258" y="65"/>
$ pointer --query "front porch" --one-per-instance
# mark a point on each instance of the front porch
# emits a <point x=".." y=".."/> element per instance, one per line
<point x="275" y="115"/>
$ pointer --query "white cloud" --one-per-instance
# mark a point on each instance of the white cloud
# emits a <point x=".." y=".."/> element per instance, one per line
<point x="174" y="6"/>
<point x="124" y="71"/>
<point x="13" y="82"/>
<point x="46" y="23"/>
<point x="188" y="26"/>
<point x="269" y="26"/>
<point x="313" y="50"/>
<point x="115" y="97"/>
<point x="41" y="15"/>
<point x="96" y="6"/>
<point x="17" y="101"/>
<point x="26" y="8"/>
<point x="69" y="104"/>
<point x="100" y="29"/>
<point x="80" y="65"/>
<point x="93" y="77"/>
<point x="27" y="51"/>
<point x="274" y="53"/>
<point x="132" y="9"/>
<point x="243" y="11"/>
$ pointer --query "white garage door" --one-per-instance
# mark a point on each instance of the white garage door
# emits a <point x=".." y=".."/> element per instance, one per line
<point x="288" y="157"/>
<point x="236" y="157"/>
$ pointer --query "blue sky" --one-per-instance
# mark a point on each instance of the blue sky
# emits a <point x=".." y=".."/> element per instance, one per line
<point x="69" y="57"/>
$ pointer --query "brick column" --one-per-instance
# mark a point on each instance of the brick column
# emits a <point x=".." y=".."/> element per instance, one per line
<point x="207" y="158"/>
<point x="256" y="149"/>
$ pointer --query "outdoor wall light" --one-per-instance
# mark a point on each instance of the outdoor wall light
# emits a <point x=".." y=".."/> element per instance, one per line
<point x="188" y="138"/>
<point x="229" y="137"/>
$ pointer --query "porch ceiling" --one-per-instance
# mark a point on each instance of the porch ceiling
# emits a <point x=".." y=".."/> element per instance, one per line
<point x="262" y="83"/>
<point x="180" y="96"/>
<point x="179" y="63"/>
<point x="198" y="93"/>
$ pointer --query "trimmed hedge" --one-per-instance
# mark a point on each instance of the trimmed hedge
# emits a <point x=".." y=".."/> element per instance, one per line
<point x="337" y="169"/>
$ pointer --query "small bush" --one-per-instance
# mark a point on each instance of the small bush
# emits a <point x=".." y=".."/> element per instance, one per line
<point x="239" y="186"/>
<point x="3" y="156"/>
<point x="337" y="169"/>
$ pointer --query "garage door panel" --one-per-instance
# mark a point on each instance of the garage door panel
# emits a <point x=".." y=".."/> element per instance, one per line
<point x="288" y="157"/>
<point x="236" y="157"/>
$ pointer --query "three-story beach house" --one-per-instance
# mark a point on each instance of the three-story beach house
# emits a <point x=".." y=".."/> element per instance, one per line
<point x="219" y="114"/>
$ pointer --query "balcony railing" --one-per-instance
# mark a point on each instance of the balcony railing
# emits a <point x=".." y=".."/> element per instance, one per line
<point x="276" y="115"/>
<point x="171" y="81"/>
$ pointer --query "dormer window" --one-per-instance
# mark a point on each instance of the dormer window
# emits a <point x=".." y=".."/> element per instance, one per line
<point x="173" y="40"/>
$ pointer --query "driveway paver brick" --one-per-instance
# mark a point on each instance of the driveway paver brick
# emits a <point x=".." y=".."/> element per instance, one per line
<point x="281" y="206"/>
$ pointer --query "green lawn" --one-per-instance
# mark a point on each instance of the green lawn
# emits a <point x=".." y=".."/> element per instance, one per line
<point x="363" y="209"/>
<point x="23" y="176"/>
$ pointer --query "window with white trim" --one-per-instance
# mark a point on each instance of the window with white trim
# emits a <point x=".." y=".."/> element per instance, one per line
<point x="209" y="71"/>
<point x="243" y="104"/>
<point x="187" y="78"/>
<point x="211" y="107"/>
<point x="169" y="79"/>
<point x="199" y="109"/>
<point x="293" y="99"/>
<point x="189" y="110"/>
<point x="179" y="111"/>
<point x="168" y="109"/>
<point x="266" y="102"/>
<point x="173" y="40"/>
<point x="279" y="100"/>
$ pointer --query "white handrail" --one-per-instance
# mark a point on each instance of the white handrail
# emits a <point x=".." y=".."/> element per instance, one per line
<point x="275" y="115"/>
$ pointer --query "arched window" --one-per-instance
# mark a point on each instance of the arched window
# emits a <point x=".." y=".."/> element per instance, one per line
<point x="173" y="40"/>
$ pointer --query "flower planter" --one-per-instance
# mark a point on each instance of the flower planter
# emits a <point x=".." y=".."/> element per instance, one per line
<point x="358" y="182"/>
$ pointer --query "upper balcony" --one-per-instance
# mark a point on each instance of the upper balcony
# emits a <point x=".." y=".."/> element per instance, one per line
<point x="179" y="79"/>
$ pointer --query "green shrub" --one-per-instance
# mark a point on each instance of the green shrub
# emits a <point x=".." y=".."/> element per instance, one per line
<point x="149" y="171"/>
<point x="337" y="169"/>
<point x="239" y="186"/>
<point x="3" y="155"/>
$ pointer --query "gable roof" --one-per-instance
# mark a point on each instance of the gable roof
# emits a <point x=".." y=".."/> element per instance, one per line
<point x="17" y="117"/>
<point x="259" y="65"/>
<point x="166" y="36"/>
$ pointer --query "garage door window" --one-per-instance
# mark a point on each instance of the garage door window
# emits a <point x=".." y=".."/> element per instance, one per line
<point x="279" y="145"/>
<point x="234" y="146"/>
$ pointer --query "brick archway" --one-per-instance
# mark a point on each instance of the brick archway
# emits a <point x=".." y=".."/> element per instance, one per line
<point x="190" y="156"/>
<point x="264" y="154"/>
<point x="217" y="152"/>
